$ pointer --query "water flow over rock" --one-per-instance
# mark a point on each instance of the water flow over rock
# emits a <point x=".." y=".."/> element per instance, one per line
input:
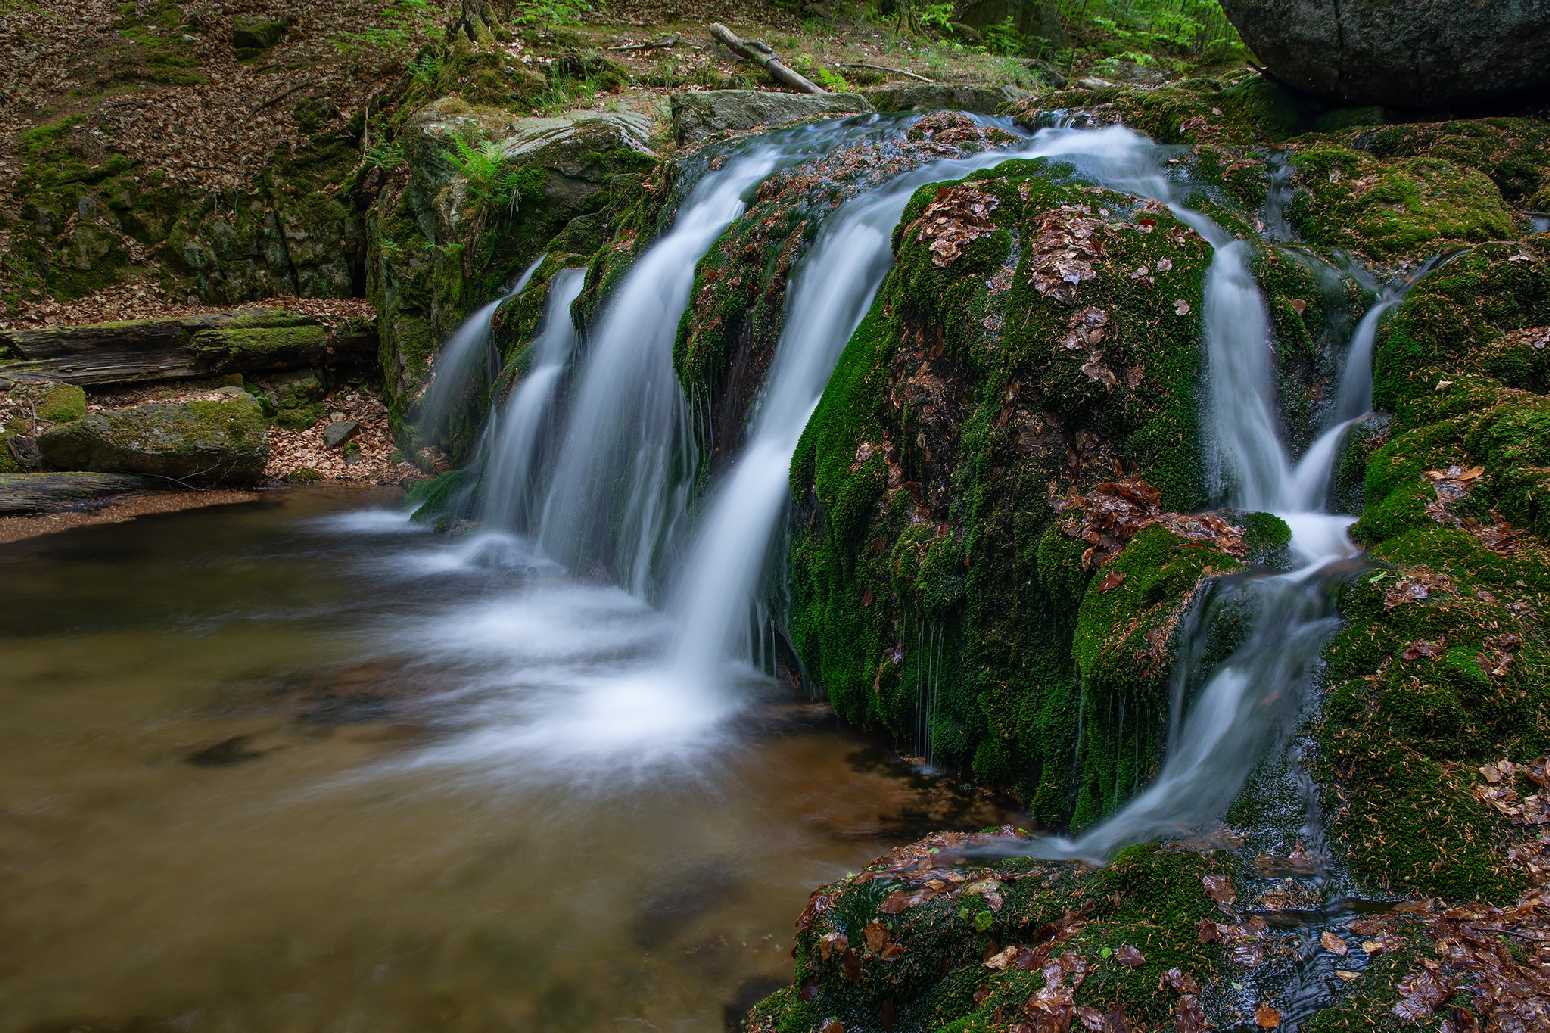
<point x="1252" y="699"/>
<point x="465" y="356"/>
<point x="516" y="457"/>
<point x="834" y="287"/>
<point x="614" y="497"/>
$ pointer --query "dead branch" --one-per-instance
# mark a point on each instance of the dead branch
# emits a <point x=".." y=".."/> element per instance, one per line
<point x="884" y="68"/>
<point x="663" y="43"/>
<point x="760" y="54"/>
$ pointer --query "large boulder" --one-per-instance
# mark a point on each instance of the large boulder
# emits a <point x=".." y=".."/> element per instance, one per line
<point x="207" y="442"/>
<point x="1404" y="53"/>
<point x="701" y="116"/>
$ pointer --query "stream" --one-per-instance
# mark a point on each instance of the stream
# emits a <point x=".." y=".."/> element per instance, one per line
<point x="240" y="789"/>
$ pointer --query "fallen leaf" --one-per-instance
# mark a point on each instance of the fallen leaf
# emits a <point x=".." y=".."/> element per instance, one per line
<point x="1267" y="1017"/>
<point x="1332" y="943"/>
<point x="1180" y="307"/>
<point x="1129" y="956"/>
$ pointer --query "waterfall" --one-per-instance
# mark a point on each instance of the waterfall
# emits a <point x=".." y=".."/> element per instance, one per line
<point x="514" y="460"/>
<point x="465" y="356"/>
<point x="613" y="496"/>
<point x="833" y="288"/>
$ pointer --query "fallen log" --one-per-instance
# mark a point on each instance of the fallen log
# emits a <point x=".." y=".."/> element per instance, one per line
<point x="760" y="54"/>
<point x="155" y="350"/>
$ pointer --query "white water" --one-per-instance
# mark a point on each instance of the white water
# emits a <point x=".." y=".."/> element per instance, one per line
<point x="465" y="356"/>
<point x="512" y="465"/>
<point x="614" y="494"/>
<point x="1249" y="702"/>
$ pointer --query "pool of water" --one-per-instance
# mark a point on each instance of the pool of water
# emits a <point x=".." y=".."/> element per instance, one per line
<point x="296" y="765"/>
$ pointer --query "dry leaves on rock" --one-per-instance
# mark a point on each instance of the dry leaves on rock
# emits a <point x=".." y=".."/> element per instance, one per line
<point x="955" y="218"/>
<point x="1114" y="512"/>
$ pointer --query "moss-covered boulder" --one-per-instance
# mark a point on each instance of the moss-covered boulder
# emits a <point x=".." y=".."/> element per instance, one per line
<point x="1403" y="209"/>
<point x="922" y="940"/>
<point x="1443" y="667"/>
<point x="480" y="195"/>
<point x="953" y="580"/>
<point x="215" y="442"/>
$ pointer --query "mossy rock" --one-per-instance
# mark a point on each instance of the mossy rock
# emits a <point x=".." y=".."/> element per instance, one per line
<point x="885" y="945"/>
<point x="253" y="35"/>
<point x="924" y="561"/>
<point x="220" y="442"/>
<point x="1444" y="663"/>
<point x="1398" y="210"/>
<point x="62" y="404"/>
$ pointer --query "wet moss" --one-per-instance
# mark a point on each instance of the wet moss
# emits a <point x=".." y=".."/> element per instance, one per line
<point x="923" y="480"/>
<point x="1149" y="898"/>
<point x="1405" y="209"/>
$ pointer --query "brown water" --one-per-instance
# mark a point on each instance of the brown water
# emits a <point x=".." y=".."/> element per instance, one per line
<point x="242" y="788"/>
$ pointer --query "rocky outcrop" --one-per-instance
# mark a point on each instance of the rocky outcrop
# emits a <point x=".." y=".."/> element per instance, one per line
<point x="155" y="350"/>
<point x="702" y="116"/>
<point x="198" y="443"/>
<point x="1402" y="53"/>
<point x="480" y="196"/>
<point x="925" y="96"/>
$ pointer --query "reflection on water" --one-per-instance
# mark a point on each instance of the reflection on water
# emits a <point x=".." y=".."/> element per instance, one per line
<point x="296" y="766"/>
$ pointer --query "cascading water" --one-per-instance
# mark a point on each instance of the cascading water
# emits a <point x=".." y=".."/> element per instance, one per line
<point x="613" y="495"/>
<point x="515" y="457"/>
<point x="466" y="355"/>
<point x="833" y="289"/>
<point x="1253" y="697"/>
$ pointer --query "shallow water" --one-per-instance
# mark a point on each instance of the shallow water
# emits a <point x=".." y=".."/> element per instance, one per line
<point x="294" y="765"/>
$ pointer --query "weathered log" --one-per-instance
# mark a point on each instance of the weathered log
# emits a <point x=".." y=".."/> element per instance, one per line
<point x="155" y="350"/>
<point x="24" y="494"/>
<point x="760" y="54"/>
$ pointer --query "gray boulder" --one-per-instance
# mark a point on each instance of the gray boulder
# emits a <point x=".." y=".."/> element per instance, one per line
<point x="1402" y="53"/>
<point x="703" y="115"/>
<point x="217" y="442"/>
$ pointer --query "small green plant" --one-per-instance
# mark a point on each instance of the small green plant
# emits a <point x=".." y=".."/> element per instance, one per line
<point x="386" y="156"/>
<point x="544" y="13"/>
<point x="833" y="81"/>
<point x="1004" y="39"/>
<point x="937" y="16"/>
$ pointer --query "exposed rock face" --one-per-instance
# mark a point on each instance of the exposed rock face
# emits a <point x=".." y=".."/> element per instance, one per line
<point x="1404" y="53"/>
<point x="443" y="243"/>
<point x="929" y="96"/>
<point x="698" y="117"/>
<point x="221" y="442"/>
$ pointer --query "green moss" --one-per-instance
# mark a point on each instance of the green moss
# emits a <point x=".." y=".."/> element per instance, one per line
<point x="1149" y="898"/>
<point x="253" y="35"/>
<point x="1406" y="208"/>
<point x="238" y="344"/>
<point x="931" y="596"/>
<point x="434" y="501"/>
<point x="198" y="442"/>
<point x="62" y="404"/>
